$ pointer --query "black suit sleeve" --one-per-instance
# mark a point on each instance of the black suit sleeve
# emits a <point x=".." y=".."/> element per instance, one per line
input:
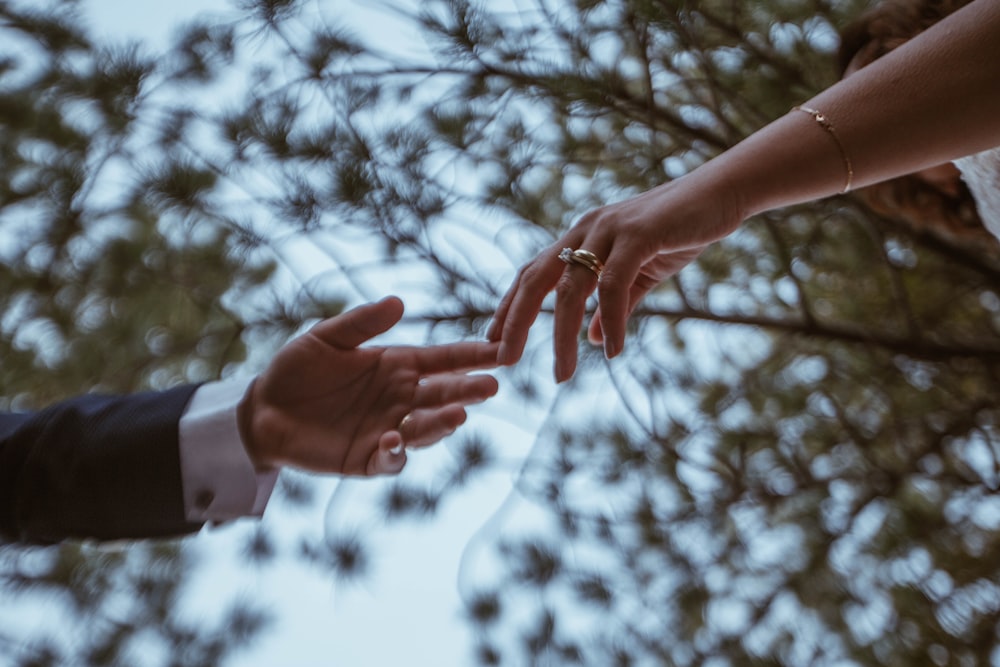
<point x="94" y="467"/>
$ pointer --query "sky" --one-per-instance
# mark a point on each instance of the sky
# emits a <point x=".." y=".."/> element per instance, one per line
<point x="409" y="611"/>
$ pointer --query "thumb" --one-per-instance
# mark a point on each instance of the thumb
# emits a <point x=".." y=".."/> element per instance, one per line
<point x="349" y="330"/>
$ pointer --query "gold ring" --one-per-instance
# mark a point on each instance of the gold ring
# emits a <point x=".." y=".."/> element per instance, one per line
<point x="404" y="421"/>
<point x="583" y="258"/>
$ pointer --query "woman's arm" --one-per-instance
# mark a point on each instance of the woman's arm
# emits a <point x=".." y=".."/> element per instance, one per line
<point x="934" y="99"/>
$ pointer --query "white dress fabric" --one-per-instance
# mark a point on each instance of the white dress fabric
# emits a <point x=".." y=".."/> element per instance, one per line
<point x="981" y="173"/>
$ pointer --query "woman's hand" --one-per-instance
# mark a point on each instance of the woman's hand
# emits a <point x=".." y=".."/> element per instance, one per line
<point x="931" y="100"/>
<point x="642" y="241"/>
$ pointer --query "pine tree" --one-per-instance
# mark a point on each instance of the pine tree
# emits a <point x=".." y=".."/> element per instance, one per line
<point x="794" y="463"/>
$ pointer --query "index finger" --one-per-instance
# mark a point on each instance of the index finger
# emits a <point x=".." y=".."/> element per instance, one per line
<point x="467" y="356"/>
<point x="518" y="313"/>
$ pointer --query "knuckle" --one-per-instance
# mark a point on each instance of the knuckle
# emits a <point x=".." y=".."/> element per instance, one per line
<point x="528" y="274"/>
<point x="592" y="217"/>
<point x="566" y="287"/>
<point x="528" y="267"/>
<point x="610" y="284"/>
<point x="646" y="282"/>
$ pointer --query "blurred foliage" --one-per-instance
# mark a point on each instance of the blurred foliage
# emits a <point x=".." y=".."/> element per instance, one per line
<point x="798" y="462"/>
<point x="117" y="273"/>
<point x="121" y="607"/>
<point x="114" y="261"/>
<point x="822" y="490"/>
<point x="795" y="463"/>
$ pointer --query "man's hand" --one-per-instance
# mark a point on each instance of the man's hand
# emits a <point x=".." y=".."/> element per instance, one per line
<point x="328" y="405"/>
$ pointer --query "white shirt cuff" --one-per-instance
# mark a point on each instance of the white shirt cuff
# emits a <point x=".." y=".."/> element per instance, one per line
<point x="219" y="480"/>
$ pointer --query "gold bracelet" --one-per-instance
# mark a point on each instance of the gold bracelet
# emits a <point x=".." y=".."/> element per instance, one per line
<point x="825" y="123"/>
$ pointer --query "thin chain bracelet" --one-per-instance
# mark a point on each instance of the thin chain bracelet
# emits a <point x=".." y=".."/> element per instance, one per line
<point x="825" y="123"/>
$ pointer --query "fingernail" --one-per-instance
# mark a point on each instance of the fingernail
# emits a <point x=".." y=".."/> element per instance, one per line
<point x="610" y="348"/>
<point x="397" y="450"/>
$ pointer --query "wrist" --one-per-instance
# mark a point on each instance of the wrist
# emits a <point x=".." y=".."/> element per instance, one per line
<point x="720" y="196"/>
<point x="245" y="410"/>
<point x="791" y="161"/>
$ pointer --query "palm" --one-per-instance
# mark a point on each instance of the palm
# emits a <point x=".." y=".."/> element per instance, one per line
<point x="326" y="404"/>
